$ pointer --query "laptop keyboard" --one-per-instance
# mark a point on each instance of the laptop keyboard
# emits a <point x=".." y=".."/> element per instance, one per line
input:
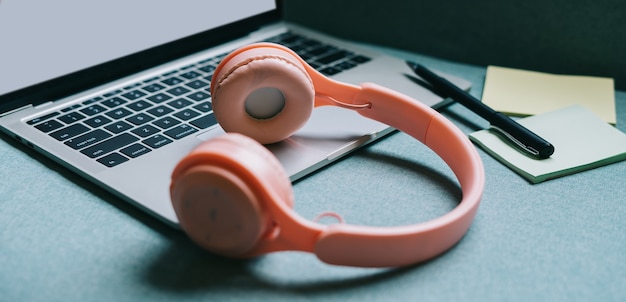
<point x="127" y="123"/>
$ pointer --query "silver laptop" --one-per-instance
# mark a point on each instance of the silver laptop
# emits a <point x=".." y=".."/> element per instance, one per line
<point x="117" y="91"/>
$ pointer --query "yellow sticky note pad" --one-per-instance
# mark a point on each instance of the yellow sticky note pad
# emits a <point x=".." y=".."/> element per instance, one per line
<point x="522" y="93"/>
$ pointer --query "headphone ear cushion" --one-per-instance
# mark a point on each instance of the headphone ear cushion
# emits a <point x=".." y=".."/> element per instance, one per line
<point x="275" y="85"/>
<point x="219" y="192"/>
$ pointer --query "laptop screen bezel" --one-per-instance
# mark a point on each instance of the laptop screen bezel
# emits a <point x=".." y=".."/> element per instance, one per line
<point x="81" y="80"/>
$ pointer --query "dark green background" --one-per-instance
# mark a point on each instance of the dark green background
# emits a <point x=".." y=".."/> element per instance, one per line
<point x="559" y="36"/>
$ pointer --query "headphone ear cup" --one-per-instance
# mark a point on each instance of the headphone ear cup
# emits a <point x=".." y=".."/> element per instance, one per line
<point x="263" y="93"/>
<point x="220" y="190"/>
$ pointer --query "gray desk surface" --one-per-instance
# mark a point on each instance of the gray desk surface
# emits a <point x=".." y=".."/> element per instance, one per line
<point x="64" y="239"/>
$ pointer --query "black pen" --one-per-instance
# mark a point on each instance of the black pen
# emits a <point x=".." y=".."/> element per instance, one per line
<point x="516" y="133"/>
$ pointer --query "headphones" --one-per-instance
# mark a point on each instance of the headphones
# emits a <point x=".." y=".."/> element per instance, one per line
<point x="232" y="197"/>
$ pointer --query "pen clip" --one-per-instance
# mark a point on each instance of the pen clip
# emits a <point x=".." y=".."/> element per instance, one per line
<point x="515" y="141"/>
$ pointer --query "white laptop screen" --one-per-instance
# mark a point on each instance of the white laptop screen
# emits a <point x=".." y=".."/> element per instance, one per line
<point x="42" y="40"/>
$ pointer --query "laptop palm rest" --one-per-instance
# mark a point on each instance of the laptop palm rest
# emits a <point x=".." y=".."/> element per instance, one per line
<point x="329" y="133"/>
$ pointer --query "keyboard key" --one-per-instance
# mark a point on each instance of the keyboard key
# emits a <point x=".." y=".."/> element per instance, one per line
<point x="42" y="118"/>
<point x="333" y="57"/>
<point x="92" y="100"/>
<point x="310" y="42"/>
<point x="69" y="132"/>
<point x="199" y="96"/>
<point x="159" y="98"/>
<point x="71" y="117"/>
<point x="190" y="75"/>
<point x="97" y="121"/>
<point x="48" y="126"/>
<point x="179" y="103"/>
<point x="330" y="71"/>
<point x="139" y="119"/>
<point x="157" y="141"/>
<point x="204" y="107"/>
<point x="135" y="150"/>
<point x="160" y="111"/>
<point x="118" y="127"/>
<point x="112" y="93"/>
<point x="113" y="102"/>
<point x="206" y="61"/>
<point x="119" y="113"/>
<point x="110" y="145"/>
<point x="205" y="121"/>
<point x="87" y="139"/>
<point x="139" y="105"/>
<point x="70" y="108"/>
<point x="176" y="91"/>
<point x="133" y="95"/>
<point x="153" y="87"/>
<point x="172" y="81"/>
<point x="146" y="130"/>
<point x="299" y="49"/>
<point x="320" y="50"/>
<point x="93" y="110"/>
<point x="112" y="160"/>
<point x="197" y="84"/>
<point x="166" y="122"/>
<point x="186" y="114"/>
<point x="360" y="59"/>
<point x="180" y="131"/>
<point x="345" y="65"/>
<point x="208" y="68"/>
<point x="288" y="38"/>
<point x="131" y="86"/>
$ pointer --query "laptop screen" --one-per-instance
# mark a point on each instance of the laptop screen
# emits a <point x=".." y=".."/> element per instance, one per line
<point x="42" y="40"/>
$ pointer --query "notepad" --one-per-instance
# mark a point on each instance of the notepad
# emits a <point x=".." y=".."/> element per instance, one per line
<point x="522" y="93"/>
<point x="581" y="139"/>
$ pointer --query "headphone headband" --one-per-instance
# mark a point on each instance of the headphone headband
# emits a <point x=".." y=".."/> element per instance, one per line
<point x="394" y="246"/>
<point x="365" y="246"/>
<point x="345" y="244"/>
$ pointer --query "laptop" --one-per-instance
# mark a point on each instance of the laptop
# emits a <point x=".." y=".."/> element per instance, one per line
<point x="117" y="91"/>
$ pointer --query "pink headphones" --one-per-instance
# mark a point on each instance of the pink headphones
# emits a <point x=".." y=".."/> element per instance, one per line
<point x="233" y="198"/>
